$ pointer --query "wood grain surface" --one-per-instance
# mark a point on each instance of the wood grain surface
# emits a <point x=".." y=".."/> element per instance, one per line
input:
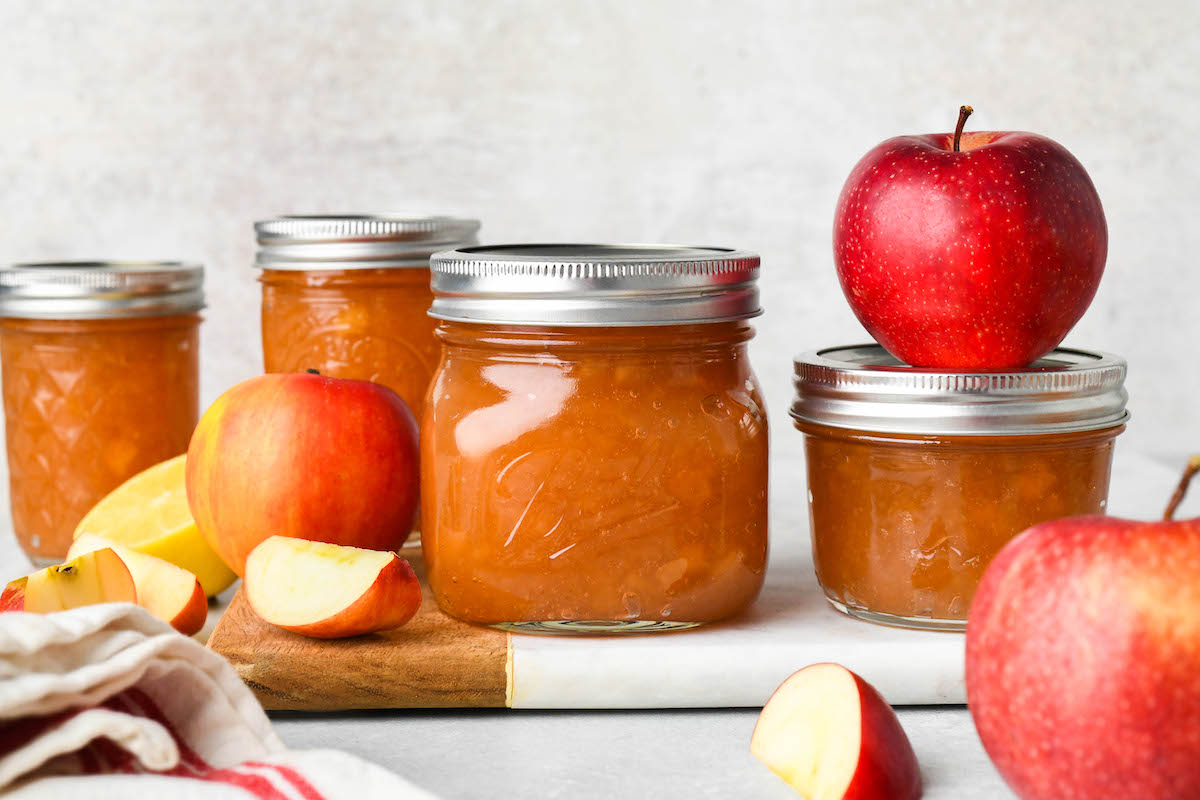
<point x="432" y="662"/>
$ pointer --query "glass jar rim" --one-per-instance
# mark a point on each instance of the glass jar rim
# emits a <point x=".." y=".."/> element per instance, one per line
<point x="589" y="285"/>
<point x="100" y="289"/>
<point x="862" y="387"/>
<point x="358" y="241"/>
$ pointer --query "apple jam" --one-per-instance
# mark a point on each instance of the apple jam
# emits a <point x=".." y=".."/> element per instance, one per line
<point x="348" y="296"/>
<point x="591" y="477"/>
<point x="917" y="478"/>
<point x="364" y="324"/>
<point x="101" y="381"/>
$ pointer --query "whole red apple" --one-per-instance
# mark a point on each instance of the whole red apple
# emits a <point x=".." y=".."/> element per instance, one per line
<point x="1083" y="660"/>
<point x="969" y="251"/>
<point x="304" y="456"/>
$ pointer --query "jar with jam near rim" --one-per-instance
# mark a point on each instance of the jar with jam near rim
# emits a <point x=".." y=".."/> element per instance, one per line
<point x="348" y="296"/>
<point x="594" y="446"/>
<point x="100" y="365"/>
<point x="918" y="477"/>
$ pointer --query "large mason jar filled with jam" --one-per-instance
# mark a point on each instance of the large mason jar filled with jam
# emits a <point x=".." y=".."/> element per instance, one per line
<point x="101" y="381"/>
<point x="348" y="296"/>
<point x="917" y="477"/>
<point x="594" y="446"/>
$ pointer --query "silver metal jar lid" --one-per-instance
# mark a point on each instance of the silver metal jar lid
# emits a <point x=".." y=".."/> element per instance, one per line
<point x="357" y="241"/>
<point x="100" y="289"/>
<point x="594" y="285"/>
<point x="864" y="388"/>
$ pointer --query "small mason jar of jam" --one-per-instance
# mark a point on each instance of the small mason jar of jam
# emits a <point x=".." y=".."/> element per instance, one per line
<point x="917" y="477"/>
<point x="101" y="381"/>
<point x="594" y="447"/>
<point x="348" y="296"/>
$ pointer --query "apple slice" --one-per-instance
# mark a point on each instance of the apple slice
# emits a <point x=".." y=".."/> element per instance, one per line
<point x="328" y="591"/>
<point x="13" y="597"/>
<point x="830" y="735"/>
<point x="97" y="577"/>
<point x="170" y="593"/>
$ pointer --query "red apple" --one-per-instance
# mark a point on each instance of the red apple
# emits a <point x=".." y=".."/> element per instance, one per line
<point x="304" y="456"/>
<point x="1083" y="659"/>
<point x="974" y="254"/>
<point x="327" y="591"/>
<point x="831" y="736"/>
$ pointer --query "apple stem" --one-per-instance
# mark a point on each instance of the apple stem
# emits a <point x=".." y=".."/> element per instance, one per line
<point x="963" y="113"/>
<point x="1189" y="472"/>
<point x="312" y="371"/>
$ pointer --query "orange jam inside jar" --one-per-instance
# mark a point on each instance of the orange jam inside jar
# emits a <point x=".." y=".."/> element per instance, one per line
<point x="101" y="381"/>
<point x="917" y="478"/>
<point x="594" y="447"/>
<point x="348" y="296"/>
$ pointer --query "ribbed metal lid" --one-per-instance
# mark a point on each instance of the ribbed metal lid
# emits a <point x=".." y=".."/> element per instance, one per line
<point x="863" y="387"/>
<point x="594" y="284"/>
<point x="358" y="241"/>
<point x="100" y="289"/>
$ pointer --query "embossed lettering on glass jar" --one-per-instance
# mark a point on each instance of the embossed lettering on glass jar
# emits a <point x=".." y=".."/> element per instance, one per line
<point x="917" y="478"/>
<point x="101" y="381"/>
<point x="348" y="296"/>
<point x="594" y="447"/>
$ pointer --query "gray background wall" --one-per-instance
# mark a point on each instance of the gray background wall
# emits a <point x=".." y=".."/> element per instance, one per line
<point x="151" y="129"/>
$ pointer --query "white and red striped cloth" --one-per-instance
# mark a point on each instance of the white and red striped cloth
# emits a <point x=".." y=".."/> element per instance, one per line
<point x="109" y="702"/>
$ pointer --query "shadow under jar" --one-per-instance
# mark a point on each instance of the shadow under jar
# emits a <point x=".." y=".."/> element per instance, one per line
<point x="348" y="296"/>
<point x="594" y="447"/>
<point x="918" y="477"/>
<point x="101" y="381"/>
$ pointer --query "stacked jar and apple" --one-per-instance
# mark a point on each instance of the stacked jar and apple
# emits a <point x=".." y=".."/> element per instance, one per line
<point x="969" y="257"/>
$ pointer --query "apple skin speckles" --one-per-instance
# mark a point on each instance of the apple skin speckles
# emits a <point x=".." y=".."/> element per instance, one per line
<point x="1083" y="660"/>
<point x="979" y="259"/>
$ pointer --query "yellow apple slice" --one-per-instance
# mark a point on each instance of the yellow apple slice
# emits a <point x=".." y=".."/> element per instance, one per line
<point x="97" y="577"/>
<point x="830" y="735"/>
<point x="170" y="593"/>
<point x="328" y="591"/>
<point x="149" y="513"/>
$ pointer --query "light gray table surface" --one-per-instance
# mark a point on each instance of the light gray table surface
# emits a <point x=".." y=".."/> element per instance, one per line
<point x="614" y="754"/>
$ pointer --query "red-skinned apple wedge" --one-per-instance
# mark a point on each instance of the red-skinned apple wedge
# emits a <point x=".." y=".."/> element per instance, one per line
<point x="304" y="456"/>
<point x="170" y="593"/>
<point x="328" y="591"/>
<point x="969" y="251"/>
<point x="1083" y="658"/>
<point x="97" y="577"/>
<point x="831" y="736"/>
<point x="13" y="596"/>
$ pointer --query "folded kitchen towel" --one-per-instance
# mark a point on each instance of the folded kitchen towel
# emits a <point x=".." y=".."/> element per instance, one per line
<point x="108" y="702"/>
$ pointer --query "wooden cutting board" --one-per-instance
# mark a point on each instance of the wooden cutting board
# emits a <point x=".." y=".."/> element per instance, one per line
<point x="432" y="662"/>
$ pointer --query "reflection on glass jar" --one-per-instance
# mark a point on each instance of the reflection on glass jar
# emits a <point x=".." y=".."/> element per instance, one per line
<point x="101" y="381"/>
<point x="348" y="296"/>
<point x="592" y="477"/>
<point x="917" y="479"/>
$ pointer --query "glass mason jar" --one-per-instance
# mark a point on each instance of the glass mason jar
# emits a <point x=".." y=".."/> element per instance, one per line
<point x="594" y="447"/>
<point x="917" y="478"/>
<point x="348" y="296"/>
<point x="101" y="380"/>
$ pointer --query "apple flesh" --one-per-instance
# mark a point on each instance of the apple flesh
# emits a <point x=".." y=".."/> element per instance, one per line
<point x="303" y="456"/>
<point x="831" y="736"/>
<point x="977" y="257"/>
<point x="1083" y="660"/>
<point x="97" y="577"/>
<point x="328" y="591"/>
<point x="170" y="593"/>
